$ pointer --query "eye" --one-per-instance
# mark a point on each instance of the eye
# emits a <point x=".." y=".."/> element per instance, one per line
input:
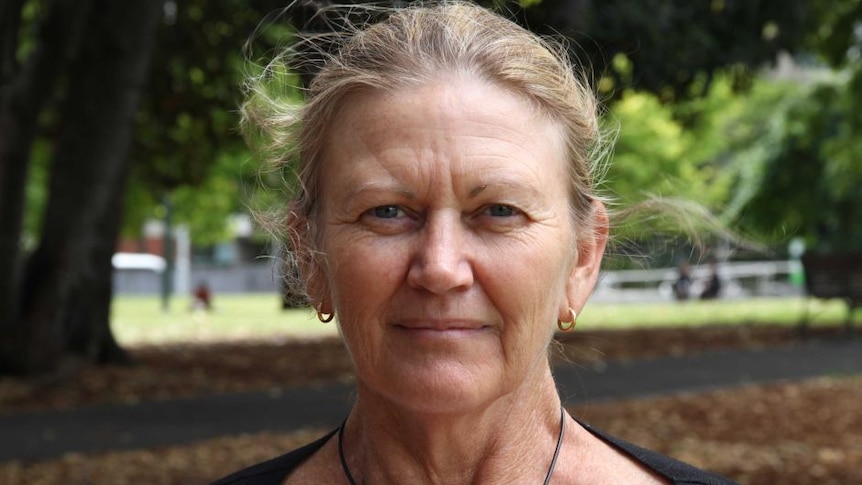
<point x="500" y="218"/>
<point x="389" y="219"/>
<point x="386" y="211"/>
<point x="500" y="210"/>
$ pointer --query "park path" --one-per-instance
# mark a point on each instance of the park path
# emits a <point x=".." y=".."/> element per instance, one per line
<point x="47" y="434"/>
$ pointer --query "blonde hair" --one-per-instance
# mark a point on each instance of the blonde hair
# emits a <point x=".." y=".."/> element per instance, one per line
<point x="416" y="45"/>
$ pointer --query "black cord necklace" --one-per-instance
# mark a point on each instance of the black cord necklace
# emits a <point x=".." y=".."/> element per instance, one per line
<point x="341" y="454"/>
<point x="350" y="479"/>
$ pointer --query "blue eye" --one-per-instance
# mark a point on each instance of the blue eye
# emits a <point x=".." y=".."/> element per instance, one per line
<point x="501" y="211"/>
<point x="386" y="211"/>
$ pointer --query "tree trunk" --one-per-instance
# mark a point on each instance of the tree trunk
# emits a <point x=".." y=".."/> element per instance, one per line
<point x="24" y="92"/>
<point x="105" y="83"/>
<point x="87" y="327"/>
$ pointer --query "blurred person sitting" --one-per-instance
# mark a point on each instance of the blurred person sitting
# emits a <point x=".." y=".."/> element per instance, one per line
<point x="682" y="285"/>
<point x="202" y="298"/>
<point x="712" y="289"/>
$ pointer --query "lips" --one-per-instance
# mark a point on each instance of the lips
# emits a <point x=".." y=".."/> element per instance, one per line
<point x="441" y="325"/>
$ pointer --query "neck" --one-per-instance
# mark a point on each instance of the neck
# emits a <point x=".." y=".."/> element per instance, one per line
<point x="510" y="440"/>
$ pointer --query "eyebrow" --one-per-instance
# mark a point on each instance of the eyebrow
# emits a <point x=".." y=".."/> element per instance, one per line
<point x="505" y="185"/>
<point x="478" y="190"/>
<point x="359" y="189"/>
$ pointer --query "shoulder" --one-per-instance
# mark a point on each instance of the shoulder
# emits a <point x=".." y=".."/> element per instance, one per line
<point x="677" y="472"/>
<point x="274" y="471"/>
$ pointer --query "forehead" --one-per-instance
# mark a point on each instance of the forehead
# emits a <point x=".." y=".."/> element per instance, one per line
<point x="456" y="97"/>
<point x="460" y="123"/>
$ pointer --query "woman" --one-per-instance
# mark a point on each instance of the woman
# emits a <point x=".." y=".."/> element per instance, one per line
<point x="447" y="217"/>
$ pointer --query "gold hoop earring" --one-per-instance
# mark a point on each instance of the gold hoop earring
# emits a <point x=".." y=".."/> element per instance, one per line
<point x="324" y="317"/>
<point x="568" y="325"/>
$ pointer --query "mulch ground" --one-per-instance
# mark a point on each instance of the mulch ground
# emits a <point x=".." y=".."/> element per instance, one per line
<point x="808" y="432"/>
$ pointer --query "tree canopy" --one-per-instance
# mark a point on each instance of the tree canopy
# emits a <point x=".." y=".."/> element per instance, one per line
<point x="673" y="46"/>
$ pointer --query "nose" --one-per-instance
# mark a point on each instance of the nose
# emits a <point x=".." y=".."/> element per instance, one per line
<point x="441" y="261"/>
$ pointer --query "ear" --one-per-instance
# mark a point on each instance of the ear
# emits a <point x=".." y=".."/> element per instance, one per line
<point x="588" y="261"/>
<point x="311" y="272"/>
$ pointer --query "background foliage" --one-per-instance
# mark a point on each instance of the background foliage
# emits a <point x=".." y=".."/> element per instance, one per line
<point x="701" y="114"/>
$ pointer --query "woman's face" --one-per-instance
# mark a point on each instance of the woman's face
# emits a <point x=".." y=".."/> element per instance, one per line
<point x="449" y="247"/>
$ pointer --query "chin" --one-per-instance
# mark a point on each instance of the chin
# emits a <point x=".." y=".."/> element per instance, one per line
<point x="440" y="389"/>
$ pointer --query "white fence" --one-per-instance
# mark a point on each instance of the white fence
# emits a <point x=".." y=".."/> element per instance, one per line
<point x="738" y="280"/>
<point x="142" y="275"/>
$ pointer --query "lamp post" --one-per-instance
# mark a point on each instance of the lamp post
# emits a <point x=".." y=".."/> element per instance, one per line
<point x="168" y="247"/>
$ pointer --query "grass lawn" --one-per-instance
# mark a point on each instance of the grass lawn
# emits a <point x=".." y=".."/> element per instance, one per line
<point x="140" y="320"/>
<point x="785" y="311"/>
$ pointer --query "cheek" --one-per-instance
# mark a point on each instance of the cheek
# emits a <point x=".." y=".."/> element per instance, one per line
<point x="527" y="289"/>
<point x="364" y="278"/>
<point x="363" y="286"/>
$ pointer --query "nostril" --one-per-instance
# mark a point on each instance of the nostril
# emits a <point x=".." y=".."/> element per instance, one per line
<point x="439" y="279"/>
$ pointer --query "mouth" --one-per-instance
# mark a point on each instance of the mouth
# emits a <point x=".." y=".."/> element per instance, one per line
<point x="441" y="328"/>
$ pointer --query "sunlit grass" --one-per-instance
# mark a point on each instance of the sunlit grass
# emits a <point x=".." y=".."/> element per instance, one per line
<point x="783" y="311"/>
<point x="140" y="320"/>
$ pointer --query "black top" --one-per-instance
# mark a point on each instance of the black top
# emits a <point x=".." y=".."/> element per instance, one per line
<point x="273" y="472"/>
